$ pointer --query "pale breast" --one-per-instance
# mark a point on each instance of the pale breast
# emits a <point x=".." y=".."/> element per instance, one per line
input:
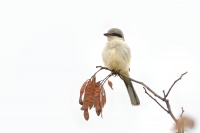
<point x="116" y="56"/>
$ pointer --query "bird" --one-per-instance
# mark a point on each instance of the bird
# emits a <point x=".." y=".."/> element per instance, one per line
<point x="117" y="56"/>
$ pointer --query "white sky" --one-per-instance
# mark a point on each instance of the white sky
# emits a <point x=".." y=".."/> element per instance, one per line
<point x="48" y="48"/>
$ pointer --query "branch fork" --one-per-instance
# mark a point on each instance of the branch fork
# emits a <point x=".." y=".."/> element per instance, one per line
<point x="100" y="93"/>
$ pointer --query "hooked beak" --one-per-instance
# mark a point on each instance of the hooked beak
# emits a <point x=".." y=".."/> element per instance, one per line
<point x="106" y="34"/>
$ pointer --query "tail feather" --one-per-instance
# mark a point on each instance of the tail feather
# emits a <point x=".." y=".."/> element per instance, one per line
<point x="131" y="91"/>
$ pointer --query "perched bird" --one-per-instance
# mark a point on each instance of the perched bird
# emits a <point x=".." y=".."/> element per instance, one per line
<point x="116" y="56"/>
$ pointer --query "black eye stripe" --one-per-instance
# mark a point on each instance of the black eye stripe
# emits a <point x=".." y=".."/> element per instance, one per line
<point x="115" y="34"/>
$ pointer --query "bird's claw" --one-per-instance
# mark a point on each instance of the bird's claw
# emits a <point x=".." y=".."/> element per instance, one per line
<point x="115" y="72"/>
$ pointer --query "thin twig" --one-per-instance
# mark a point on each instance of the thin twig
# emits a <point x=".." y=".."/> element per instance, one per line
<point x="174" y="84"/>
<point x="164" y="93"/>
<point x="155" y="100"/>
<point x="105" y="79"/>
<point x="180" y="123"/>
<point x="182" y="112"/>
<point x="97" y="72"/>
<point x="103" y="67"/>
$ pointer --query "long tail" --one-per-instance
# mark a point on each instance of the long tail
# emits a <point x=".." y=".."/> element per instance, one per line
<point x="131" y="91"/>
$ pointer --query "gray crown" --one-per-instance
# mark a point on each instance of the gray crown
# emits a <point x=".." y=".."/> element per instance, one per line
<point x="115" y="32"/>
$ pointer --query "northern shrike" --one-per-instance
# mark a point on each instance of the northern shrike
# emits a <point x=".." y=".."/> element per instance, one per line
<point x="116" y="56"/>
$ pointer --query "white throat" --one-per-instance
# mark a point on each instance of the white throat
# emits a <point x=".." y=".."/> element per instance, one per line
<point x="111" y="38"/>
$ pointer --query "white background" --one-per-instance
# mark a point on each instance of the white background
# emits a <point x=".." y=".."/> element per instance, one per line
<point x="48" y="48"/>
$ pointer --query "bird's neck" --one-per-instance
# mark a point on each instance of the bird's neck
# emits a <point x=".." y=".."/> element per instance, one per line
<point x="113" y="38"/>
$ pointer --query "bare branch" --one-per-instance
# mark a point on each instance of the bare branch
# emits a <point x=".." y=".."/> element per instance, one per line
<point x="164" y="98"/>
<point x="97" y="72"/>
<point x="155" y="100"/>
<point x="174" y="84"/>
<point x="141" y="83"/>
<point x="148" y="88"/>
<point x="170" y="111"/>
<point x="103" y="68"/>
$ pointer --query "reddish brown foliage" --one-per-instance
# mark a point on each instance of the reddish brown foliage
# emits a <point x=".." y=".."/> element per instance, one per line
<point x="110" y="84"/>
<point x="184" y="123"/>
<point x="94" y="96"/>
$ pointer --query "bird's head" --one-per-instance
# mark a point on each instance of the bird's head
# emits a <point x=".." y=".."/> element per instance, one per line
<point x="114" y="33"/>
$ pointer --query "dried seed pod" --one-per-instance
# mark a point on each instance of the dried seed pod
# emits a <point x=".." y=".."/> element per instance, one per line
<point x="82" y="91"/>
<point x="110" y="84"/>
<point x="86" y="114"/>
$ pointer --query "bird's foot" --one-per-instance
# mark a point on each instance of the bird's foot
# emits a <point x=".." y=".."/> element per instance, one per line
<point x="115" y="72"/>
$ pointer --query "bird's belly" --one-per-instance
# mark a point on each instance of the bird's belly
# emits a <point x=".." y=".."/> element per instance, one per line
<point x="115" y="60"/>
